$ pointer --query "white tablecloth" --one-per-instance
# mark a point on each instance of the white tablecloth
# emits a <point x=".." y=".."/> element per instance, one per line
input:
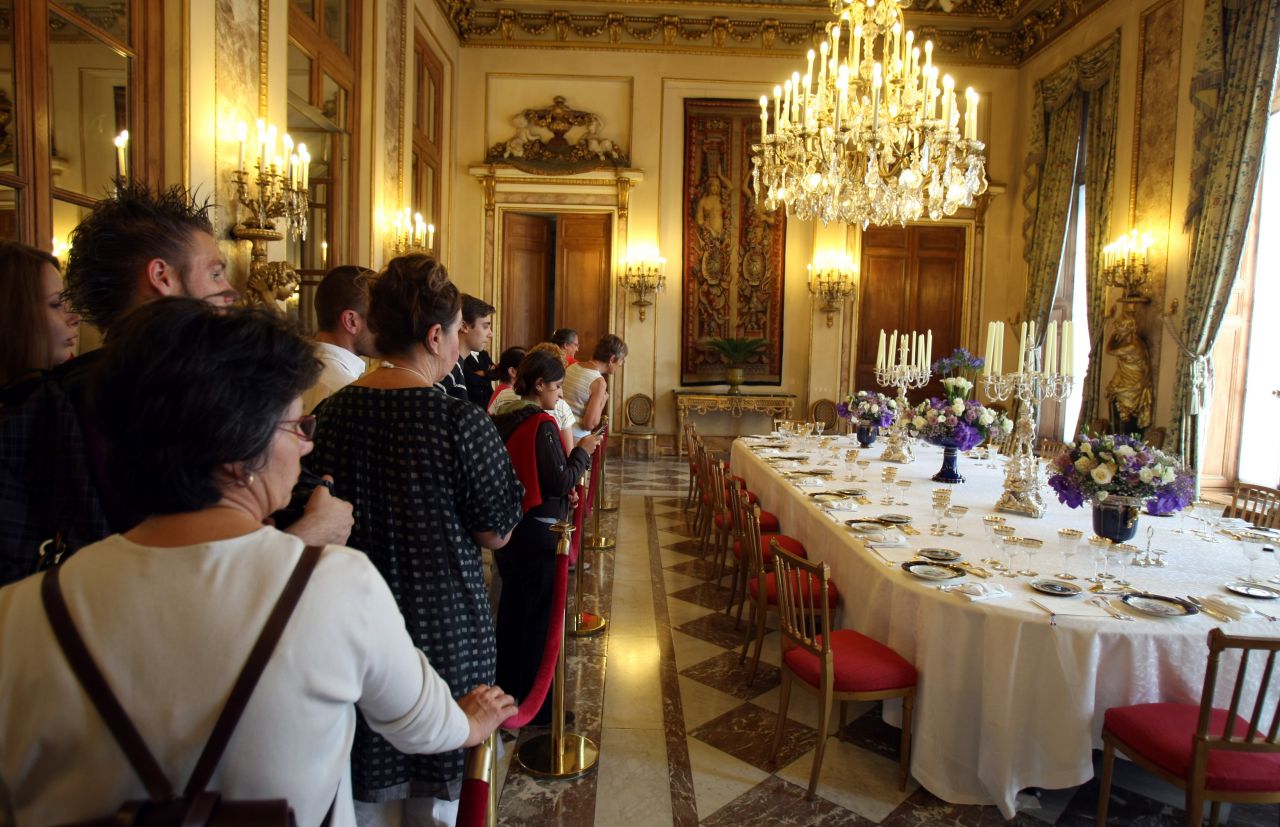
<point x="1007" y="699"/>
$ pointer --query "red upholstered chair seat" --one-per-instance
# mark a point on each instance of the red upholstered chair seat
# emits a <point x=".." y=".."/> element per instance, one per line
<point x="768" y="522"/>
<point x="791" y="544"/>
<point x="861" y="664"/>
<point x="1162" y="734"/>
<point x="771" y="589"/>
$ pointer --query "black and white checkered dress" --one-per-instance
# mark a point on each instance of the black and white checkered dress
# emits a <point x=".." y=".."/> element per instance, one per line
<point x="423" y="471"/>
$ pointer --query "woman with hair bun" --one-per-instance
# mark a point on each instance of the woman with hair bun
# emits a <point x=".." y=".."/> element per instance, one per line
<point x="429" y="484"/>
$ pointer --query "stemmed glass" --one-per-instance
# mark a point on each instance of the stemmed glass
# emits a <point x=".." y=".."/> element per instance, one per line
<point x="1010" y="546"/>
<point x="1099" y="547"/>
<point x="887" y="479"/>
<point x="941" y="502"/>
<point x="1251" y="544"/>
<point x="1030" y="546"/>
<point x="1007" y="543"/>
<point x="863" y="465"/>
<point x="1069" y="543"/>
<point x="818" y="427"/>
<point x="904" y="486"/>
<point x="989" y="523"/>
<point x="1126" y="555"/>
<point x="957" y="512"/>
<point x="1208" y="513"/>
<point x="850" y="457"/>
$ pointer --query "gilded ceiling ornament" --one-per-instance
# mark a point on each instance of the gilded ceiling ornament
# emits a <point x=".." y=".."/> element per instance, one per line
<point x="529" y="150"/>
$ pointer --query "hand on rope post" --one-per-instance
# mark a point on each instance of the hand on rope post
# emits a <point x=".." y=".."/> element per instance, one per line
<point x="598" y="541"/>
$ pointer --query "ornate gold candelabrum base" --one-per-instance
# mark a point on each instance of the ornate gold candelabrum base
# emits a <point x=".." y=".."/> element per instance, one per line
<point x="897" y="446"/>
<point x="1022" y="480"/>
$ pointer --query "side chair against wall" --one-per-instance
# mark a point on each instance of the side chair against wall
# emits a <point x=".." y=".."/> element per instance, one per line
<point x="637" y="413"/>
<point x="740" y="504"/>
<point x="840" y="665"/>
<point x="1191" y="746"/>
<point x="762" y="590"/>
<point x="1155" y="436"/>
<point x="1256" y="503"/>
<point x="824" y="411"/>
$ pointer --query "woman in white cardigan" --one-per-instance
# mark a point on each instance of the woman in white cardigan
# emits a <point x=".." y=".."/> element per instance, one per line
<point x="202" y="413"/>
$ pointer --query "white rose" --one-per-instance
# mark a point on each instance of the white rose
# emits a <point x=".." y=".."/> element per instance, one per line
<point x="1006" y="425"/>
<point x="957" y="405"/>
<point x="875" y="409"/>
<point x="1103" y="473"/>
<point x="986" y="418"/>
<point x="1146" y="474"/>
<point x="1086" y="448"/>
<point x="920" y="422"/>
<point x="1124" y="450"/>
<point x="1168" y="474"/>
<point x="1084" y="465"/>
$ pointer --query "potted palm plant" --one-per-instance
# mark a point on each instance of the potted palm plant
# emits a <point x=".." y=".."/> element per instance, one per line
<point x="736" y="352"/>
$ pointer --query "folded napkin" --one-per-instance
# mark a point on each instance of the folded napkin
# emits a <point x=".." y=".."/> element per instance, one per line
<point x="842" y="505"/>
<point x="811" y="482"/>
<point x="892" y="546"/>
<point x="1229" y="606"/>
<point x="975" y="592"/>
<point x="1068" y="607"/>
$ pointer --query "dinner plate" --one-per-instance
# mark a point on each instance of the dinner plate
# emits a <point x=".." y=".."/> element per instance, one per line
<point x="1057" y="588"/>
<point x="827" y="497"/>
<point x="1256" y="590"/>
<point x="853" y="492"/>
<point x="866" y="528"/>
<point x="809" y="472"/>
<point x="787" y="458"/>
<point x="932" y="571"/>
<point x="1158" y="605"/>
<point x="939" y="555"/>
<point x="895" y="519"/>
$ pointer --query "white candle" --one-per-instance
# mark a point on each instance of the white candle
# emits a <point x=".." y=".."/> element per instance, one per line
<point x="948" y="98"/>
<point x="122" y="163"/>
<point x="928" y="349"/>
<point x="893" y="349"/>
<point x="1022" y="349"/>
<point x="1069" y="344"/>
<point x="880" y="352"/>
<point x="777" y="108"/>
<point x="242" y="132"/>
<point x="431" y="236"/>
<point x="1050" y="346"/>
<point x="764" y="117"/>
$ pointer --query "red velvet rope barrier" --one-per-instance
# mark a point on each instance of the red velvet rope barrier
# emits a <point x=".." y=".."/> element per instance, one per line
<point x="551" y="650"/>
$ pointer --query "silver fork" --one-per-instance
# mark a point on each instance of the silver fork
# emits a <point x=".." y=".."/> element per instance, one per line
<point x="1105" y="605"/>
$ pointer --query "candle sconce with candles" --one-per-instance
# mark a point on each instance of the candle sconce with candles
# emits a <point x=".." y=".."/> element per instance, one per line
<point x="1125" y="264"/>
<point x="903" y="364"/>
<point x="832" y="280"/>
<point x="1042" y="373"/>
<point x="278" y="190"/>
<point x="409" y="233"/>
<point x="643" y="278"/>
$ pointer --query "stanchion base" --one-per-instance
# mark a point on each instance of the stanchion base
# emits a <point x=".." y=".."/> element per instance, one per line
<point x="578" y="756"/>
<point x="602" y="542"/>
<point x="589" y="624"/>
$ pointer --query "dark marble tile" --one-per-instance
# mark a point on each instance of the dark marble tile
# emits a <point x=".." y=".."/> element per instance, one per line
<point x="870" y="732"/>
<point x="704" y="594"/>
<point x="1254" y="815"/>
<point x="923" y="809"/>
<point x="532" y="801"/>
<point x="699" y="568"/>
<point x="746" y="733"/>
<point x="1125" y="807"/>
<point x="723" y="672"/>
<point x="714" y="627"/>
<point x="777" y="802"/>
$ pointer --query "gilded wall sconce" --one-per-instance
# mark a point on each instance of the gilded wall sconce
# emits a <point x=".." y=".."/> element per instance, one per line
<point x="832" y="281"/>
<point x="643" y="278"/>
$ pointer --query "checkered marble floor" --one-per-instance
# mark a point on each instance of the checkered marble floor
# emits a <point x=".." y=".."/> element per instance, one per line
<point x="685" y="740"/>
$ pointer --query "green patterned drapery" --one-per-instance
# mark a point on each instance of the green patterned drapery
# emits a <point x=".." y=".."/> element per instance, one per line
<point x="1230" y="91"/>
<point x="1077" y="102"/>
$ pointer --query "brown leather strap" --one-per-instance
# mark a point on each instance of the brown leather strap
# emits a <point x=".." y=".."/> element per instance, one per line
<point x="253" y="667"/>
<point x="99" y="691"/>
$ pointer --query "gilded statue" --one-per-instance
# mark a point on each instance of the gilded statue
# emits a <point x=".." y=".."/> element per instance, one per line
<point x="271" y="285"/>
<point x="1129" y="390"/>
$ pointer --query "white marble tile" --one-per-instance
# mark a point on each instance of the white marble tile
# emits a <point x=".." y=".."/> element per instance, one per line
<point x="681" y="611"/>
<point x="633" y="787"/>
<point x="718" y="777"/>
<point x="691" y="650"/>
<point x="632" y="694"/>
<point x="631" y="612"/>
<point x="675" y="581"/>
<point x="803" y="706"/>
<point x="701" y="703"/>
<point x="854" y="778"/>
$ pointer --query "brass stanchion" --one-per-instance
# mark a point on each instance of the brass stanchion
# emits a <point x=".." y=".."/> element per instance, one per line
<point x="495" y="742"/>
<point x="482" y="765"/>
<point x="598" y="541"/>
<point x="559" y="754"/>
<point x="583" y="623"/>
<point x="605" y="503"/>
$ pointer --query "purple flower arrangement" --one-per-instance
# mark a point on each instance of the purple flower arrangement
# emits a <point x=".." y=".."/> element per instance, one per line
<point x="869" y="408"/>
<point x="957" y="422"/>
<point x="1094" y="468"/>
<point x="960" y="363"/>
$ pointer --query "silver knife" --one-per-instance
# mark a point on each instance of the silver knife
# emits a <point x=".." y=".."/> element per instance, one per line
<point x="1211" y="612"/>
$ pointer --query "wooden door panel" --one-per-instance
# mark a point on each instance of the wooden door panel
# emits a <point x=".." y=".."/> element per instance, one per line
<point x="526" y="269"/>
<point x="582" y="276"/>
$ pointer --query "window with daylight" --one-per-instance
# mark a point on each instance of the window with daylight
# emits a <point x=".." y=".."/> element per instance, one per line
<point x="428" y="128"/>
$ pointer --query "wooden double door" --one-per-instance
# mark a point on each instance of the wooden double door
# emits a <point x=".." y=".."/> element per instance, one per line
<point x="913" y="279"/>
<point x="555" y="273"/>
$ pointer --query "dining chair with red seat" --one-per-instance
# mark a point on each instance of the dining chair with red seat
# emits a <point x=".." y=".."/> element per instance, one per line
<point x="840" y="665"/>
<point x="690" y="438"/>
<point x="1193" y="747"/>
<point x="716" y="536"/>
<point x="740" y="502"/>
<point x="762" y="590"/>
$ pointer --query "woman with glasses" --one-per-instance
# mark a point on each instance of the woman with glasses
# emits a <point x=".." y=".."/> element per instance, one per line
<point x="431" y="484"/>
<point x="202" y="413"/>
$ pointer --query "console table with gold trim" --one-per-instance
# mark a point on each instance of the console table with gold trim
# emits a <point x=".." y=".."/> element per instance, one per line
<point x="776" y="405"/>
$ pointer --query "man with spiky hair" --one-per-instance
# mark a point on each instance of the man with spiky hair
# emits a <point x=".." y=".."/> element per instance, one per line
<point x="54" y="496"/>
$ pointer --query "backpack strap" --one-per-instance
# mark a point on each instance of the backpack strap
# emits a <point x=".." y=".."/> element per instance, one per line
<point x="252" y="671"/>
<point x="99" y="691"/>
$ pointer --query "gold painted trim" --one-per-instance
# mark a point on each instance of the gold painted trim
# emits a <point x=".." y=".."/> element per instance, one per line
<point x="184" y="143"/>
<point x="629" y="80"/>
<point x="404" y="96"/>
<point x="264" y="54"/>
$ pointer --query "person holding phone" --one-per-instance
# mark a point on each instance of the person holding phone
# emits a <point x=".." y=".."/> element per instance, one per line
<point x="586" y="385"/>
<point x="527" y="562"/>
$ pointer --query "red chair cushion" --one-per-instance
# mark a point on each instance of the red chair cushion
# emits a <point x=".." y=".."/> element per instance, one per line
<point x="768" y="521"/>
<point x="790" y="544"/>
<point x="861" y="664"/>
<point x="771" y="588"/>
<point x="1162" y="733"/>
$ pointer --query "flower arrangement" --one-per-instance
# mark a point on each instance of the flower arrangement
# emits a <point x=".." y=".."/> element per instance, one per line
<point x="960" y="363"/>
<point x="1099" y="467"/>
<point x="957" y="421"/>
<point x="869" y="408"/>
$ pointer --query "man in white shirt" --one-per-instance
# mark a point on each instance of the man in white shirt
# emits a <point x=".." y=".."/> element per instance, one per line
<point x="343" y="336"/>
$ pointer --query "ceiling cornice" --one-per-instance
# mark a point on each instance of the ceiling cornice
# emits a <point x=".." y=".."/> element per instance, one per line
<point x="983" y="32"/>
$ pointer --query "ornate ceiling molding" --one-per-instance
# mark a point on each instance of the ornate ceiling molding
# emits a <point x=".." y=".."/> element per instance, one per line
<point x="992" y="32"/>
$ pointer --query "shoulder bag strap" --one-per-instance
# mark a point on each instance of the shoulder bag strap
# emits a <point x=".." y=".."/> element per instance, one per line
<point x="253" y="667"/>
<point x="99" y="691"/>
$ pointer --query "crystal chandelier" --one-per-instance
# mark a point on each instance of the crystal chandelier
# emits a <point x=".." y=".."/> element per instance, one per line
<point x="871" y="138"/>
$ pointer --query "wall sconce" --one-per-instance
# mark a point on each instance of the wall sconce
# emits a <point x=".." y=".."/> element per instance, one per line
<point x="409" y="233"/>
<point x="644" y="278"/>
<point x="1124" y="264"/>
<point x="832" y="279"/>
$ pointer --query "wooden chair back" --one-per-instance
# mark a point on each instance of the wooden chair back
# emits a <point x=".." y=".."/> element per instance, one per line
<point x="752" y="555"/>
<point x="803" y="611"/>
<point x="824" y="411"/>
<point x="1050" y="448"/>
<point x="1258" y="504"/>
<point x="1255" y="738"/>
<point x="716" y="479"/>
<point x="737" y="499"/>
<point x="1155" y="436"/>
<point x="638" y="410"/>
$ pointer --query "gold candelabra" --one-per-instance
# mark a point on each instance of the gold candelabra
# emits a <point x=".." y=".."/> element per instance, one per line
<point x="409" y="233"/>
<point x="1125" y="264"/>
<point x="643" y="278"/>
<point x="278" y="190"/>
<point x="832" y="281"/>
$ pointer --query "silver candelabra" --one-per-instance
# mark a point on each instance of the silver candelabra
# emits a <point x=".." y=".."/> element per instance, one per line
<point x="1022" y="480"/>
<point x="897" y="447"/>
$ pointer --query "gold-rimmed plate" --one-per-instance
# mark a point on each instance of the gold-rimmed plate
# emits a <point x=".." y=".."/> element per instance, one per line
<point x="928" y="570"/>
<point x="939" y="555"/>
<point x="895" y="519"/>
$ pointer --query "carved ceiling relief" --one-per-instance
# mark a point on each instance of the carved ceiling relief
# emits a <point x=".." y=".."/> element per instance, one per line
<point x="557" y="139"/>
<point x="990" y="31"/>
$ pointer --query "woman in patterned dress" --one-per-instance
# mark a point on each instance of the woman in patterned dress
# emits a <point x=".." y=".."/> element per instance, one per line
<point x="430" y="482"/>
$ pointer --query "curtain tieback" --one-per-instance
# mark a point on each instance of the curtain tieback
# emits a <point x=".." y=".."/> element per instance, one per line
<point x="1201" y="370"/>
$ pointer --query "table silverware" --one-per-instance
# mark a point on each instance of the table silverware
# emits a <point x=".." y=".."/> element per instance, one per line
<point x="1105" y="605"/>
<point x="1209" y="610"/>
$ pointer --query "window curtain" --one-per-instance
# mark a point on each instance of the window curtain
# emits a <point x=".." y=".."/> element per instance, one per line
<point x="1230" y="92"/>
<point x="1077" y="102"/>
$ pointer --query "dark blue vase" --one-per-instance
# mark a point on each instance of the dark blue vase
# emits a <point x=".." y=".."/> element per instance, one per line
<point x="949" y="473"/>
<point x="867" y="434"/>
<point x="1116" y="518"/>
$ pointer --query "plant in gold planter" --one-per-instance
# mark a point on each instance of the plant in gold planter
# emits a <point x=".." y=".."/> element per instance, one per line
<point x="737" y="352"/>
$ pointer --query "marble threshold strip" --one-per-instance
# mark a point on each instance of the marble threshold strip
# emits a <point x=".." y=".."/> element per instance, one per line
<point x="684" y="810"/>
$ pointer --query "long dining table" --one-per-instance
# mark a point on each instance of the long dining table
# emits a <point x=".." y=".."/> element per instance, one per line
<point x="1012" y="690"/>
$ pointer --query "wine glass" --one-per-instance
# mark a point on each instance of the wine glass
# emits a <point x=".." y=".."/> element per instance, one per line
<point x="904" y="486"/>
<point x="1208" y="513"/>
<point x="850" y="457"/>
<point x="957" y="512"/>
<point x="818" y="427"/>
<point x="989" y="523"/>
<point x="1029" y="546"/>
<point x="940" y="506"/>
<point x="1126" y="555"/>
<point x="1068" y="543"/>
<point x="1010" y="546"/>
<point x="863" y="465"/>
<point x="1003" y="535"/>
<point x="1251" y="544"/>
<point x="1098" y="546"/>
<point x="887" y="480"/>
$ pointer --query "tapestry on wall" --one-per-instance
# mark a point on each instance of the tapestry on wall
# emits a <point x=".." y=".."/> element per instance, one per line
<point x="734" y="250"/>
